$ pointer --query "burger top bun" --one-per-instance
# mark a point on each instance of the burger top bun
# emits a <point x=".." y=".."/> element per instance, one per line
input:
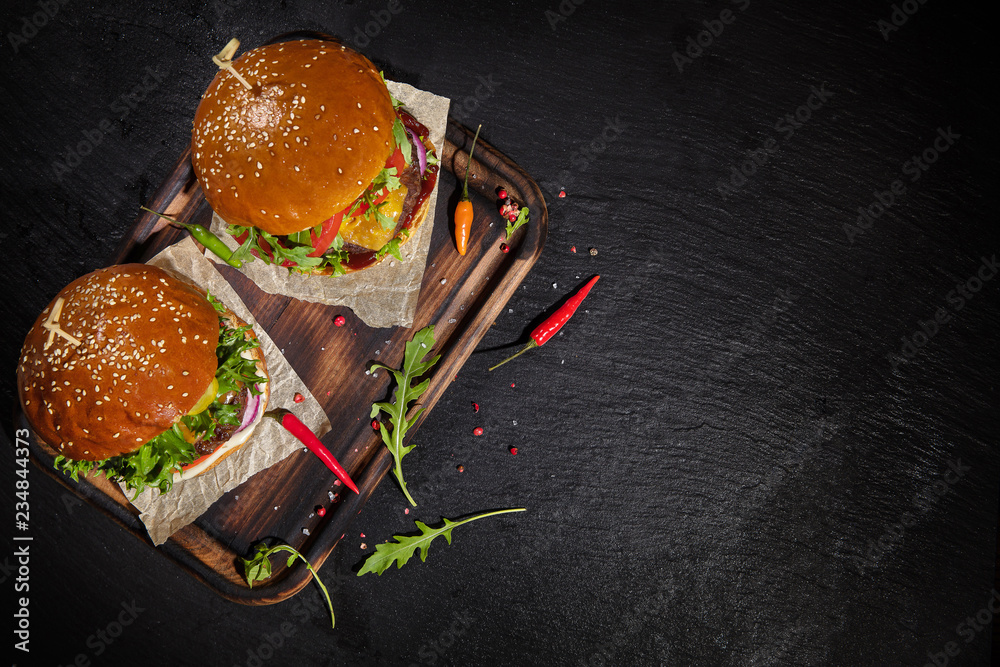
<point x="302" y="145"/>
<point x="116" y="359"/>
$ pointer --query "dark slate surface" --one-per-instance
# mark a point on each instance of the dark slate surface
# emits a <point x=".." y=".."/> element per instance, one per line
<point x="721" y="464"/>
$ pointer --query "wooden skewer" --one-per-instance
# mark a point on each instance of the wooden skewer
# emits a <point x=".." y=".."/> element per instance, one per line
<point x="52" y="325"/>
<point x="224" y="60"/>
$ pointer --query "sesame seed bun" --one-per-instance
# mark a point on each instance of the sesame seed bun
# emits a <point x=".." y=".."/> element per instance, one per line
<point x="303" y="144"/>
<point x="144" y="354"/>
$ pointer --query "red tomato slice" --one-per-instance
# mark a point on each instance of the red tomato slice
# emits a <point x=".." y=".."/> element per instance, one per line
<point x="327" y="235"/>
<point x="195" y="462"/>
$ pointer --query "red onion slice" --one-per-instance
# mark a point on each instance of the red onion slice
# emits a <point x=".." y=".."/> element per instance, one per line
<point x="253" y="407"/>
<point x="421" y="151"/>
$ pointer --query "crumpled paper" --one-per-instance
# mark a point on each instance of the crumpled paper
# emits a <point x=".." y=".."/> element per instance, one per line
<point x="164" y="514"/>
<point x="384" y="295"/>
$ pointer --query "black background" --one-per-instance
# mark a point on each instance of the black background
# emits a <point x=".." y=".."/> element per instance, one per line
<point x="711" y="452"/>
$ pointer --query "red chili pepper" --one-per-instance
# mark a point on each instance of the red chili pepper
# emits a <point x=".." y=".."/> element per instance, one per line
<point x="552" y="324"/>
<point x="309" y="439"/>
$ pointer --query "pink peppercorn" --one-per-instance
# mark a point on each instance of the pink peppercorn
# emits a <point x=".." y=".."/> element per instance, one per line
<point x="477" y="431"/>
<point x="339" y="321"/>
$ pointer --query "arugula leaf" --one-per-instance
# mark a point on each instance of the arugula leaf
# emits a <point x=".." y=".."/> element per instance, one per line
<point x="414" y="366"/>
<point x="249" y="243"/>
<point x="386" y="178"/>
<point x="392" y="247"/>
<point x="400" y="551"/>
<point x="395" y="103"/>
<point x="298" y="255"/>
<point x="258" y="568"/>
<point x="522" y="219"/>
<point x="152" y="465"/>
<point x="385" y="220"/>
<point x="402" y="138"/>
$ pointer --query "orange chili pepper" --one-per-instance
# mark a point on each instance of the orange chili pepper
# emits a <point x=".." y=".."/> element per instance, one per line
<point x="464" y="212"/>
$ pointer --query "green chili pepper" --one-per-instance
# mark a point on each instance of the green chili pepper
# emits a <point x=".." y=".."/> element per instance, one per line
<point x="204" y="237"/>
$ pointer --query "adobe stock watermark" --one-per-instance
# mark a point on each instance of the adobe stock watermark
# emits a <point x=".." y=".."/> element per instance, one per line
<point x="915" y="168"/>
<point x="122" y="106"/>
<point x="430" y="651"/>
<point x="30" y="25"/>
<point x="381" y="19"/>
<point x="566" y="9"/>
<point x="786" y="126"/>
<point x="103" y="638"/>
<point x="923" y="501"/>
<point x="901" y="13"/>
<point x="305" y="609"/>
<point x="697" y="45"/>
<point x="462" y="109"/>
<point x="581" y="159"/>
<point x="968" y="630"/>
<point x="958" y="298"/>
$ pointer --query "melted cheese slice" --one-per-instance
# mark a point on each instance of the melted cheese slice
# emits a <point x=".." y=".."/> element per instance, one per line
<point x="366" y="231"/>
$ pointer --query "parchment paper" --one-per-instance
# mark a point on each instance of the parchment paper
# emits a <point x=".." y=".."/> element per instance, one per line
<point x="384" y="295"/>
<point x="165" y="514"/>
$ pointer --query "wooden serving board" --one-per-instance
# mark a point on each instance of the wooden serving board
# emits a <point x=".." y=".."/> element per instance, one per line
<point x="460" y="296"/>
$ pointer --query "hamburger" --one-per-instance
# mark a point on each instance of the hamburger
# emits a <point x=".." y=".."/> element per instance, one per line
<point x="304" y="152"/>
<point x="134" y="373"/>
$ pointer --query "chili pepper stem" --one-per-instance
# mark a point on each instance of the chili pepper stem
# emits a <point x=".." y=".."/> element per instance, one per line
<point x="465" y="185"/>
<point x="531" y="344"/>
